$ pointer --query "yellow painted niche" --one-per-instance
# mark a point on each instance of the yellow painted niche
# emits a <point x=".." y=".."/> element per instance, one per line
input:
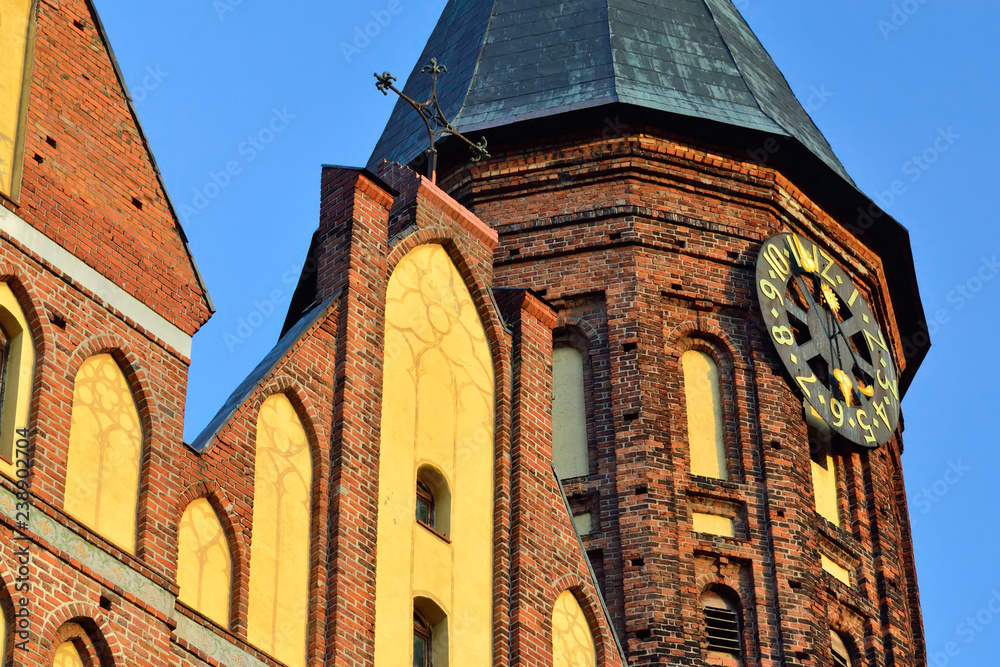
<point x="437" y="410"/>
<point x="278" y="614"/>
<point x="824" y="466"/>
<point x="67" y="656"/>
<point x="570" y="455"/>
<point x="706" y="432"/>
<point x="105" y="451"/>
<point x="204" y="565"/>
<point x="838" y="571"/>
<point x="15" y="47"/>
<point x="19" y="377"/>
<point x="3" y="636"/>
<point x="572" y="641"/>
<point x="713" y="524"/>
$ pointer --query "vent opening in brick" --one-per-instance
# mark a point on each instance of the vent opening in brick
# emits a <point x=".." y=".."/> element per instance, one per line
<point x="722" y="624"/>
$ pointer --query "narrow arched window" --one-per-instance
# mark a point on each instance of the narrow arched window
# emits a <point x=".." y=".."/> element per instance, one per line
<point x="277" y="614"/>
<point x="572" y="640"/>
<point x="824" y="466"/>
<point x="570" y="450"/>
<point x="723" y="627"/>
<point x="430" y="634"/>
<point x="105" y="452"/>
<point x="421" y="641"/>
<point x="67" y="655"/>
<point x="706" y="431"/>
<point x="17" y="364"/>
<point x="841" y="654"/>
<point x="433" y="502"/>
<point x="204" y="565"/>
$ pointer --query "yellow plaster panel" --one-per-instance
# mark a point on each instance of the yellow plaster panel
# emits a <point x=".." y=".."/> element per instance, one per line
<point x="437" y="409"/>
<point x="20" y="375"/>
<point x="3" y="636"/>
<point x="706" y="433"/>
<point x="713" y="524"/>
<point x="278" y="612"/>
<point x="839" y="572"/>
<point x="569" y="414"/>
<point x="105" y="450"/>
<point x="824" y="467"/>
<point x="67" y="656"/>
<point x="14" y="32"/>
<point x="204" y="566"/>
<point x="572" y="641"/>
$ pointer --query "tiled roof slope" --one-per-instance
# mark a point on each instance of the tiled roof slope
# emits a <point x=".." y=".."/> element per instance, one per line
<point x="513" y="60"/>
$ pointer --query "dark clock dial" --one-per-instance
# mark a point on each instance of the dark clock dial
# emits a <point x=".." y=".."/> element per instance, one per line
<point x="828" y="339"/>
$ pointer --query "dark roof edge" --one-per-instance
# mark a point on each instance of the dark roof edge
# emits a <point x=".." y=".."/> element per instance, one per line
<point x="149" y="153"/>
<point x="258" y="375"/>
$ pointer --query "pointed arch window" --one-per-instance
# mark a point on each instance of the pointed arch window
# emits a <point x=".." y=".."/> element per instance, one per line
<point x="277" y="617"/>
<point x="3" y="634"/>
<point x="105" y="452"/>
<point x="706" y="429"/>
<point x="17" y="364"/>
<point x="16" y="43"/>
<point x="204" y="564"/>
<point x="572" y="640"/>
<point x="67" y="655"/>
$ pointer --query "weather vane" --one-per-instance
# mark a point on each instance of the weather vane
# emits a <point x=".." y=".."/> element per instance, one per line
<point x="433" y="117"/>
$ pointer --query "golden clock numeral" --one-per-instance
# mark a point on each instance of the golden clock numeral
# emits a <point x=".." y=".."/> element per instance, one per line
<point x="866" y="427"/>
<point x="771" y="292"/>
<point x="802" y="380"/>
<point x="880" y="410"/>
<point x="783" y="336"/>
<point x="872" y="341"/>
<point x="829" y="265"/>
<point x="838" y="411"/>
<point x="777" y="261"/>
<point x="883" y="381"/>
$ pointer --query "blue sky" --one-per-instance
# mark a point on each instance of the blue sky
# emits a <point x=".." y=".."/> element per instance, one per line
<point x="903" y="89"/>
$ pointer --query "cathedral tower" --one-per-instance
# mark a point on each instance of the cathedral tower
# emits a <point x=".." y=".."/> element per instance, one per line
<point x="645" y="158"/>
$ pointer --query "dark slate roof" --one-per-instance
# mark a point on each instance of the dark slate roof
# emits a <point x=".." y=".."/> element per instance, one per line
<point x="514" y="60"/>
<point x="259" y="375"/>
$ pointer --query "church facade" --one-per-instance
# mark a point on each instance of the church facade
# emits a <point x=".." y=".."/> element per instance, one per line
<point x="624" y="391"/>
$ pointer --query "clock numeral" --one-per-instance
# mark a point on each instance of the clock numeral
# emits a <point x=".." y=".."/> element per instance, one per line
<point x="872" y="341"/>
<point x="880" y="410"/>
<point x="829" y="265"/>
<point x="883" y="381"/>
<point x="802" y="380"/>
<point x="771" y="292"/>
<point x="862" y="418"/>
<point x="783" y="336"/>
<point x="778" y="261"/>
<point x="838" y="412"/>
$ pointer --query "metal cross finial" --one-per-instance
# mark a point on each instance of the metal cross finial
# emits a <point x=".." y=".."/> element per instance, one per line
<point x="432" y="115"/>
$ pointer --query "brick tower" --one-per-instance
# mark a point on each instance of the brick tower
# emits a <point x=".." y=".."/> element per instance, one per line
<point x="642" y="154"/>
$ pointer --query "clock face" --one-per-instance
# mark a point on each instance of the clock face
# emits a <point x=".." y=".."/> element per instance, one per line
<point x="828" y="339"/>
